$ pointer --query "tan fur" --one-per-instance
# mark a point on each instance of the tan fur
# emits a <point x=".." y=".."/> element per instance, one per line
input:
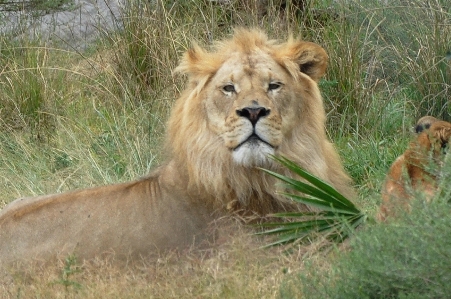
<point x="212" y="169"/>
<point x="416" y="170"/>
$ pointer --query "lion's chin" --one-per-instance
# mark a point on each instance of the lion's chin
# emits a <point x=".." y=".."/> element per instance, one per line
<point x="253" y="154"/>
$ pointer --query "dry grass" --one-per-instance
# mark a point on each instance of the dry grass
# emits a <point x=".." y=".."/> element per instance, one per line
<point x="234" y="267"/>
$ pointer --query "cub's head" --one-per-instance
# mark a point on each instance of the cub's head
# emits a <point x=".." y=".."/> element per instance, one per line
<point x="436" y="137"/>
<point x="424" y="123"/>
<point x="248" y="99"/>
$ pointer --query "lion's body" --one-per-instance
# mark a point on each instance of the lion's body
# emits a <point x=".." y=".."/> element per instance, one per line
<point x="416" y="171"/>
<point x="124" y="219"/>
<point x="249" y="99"/>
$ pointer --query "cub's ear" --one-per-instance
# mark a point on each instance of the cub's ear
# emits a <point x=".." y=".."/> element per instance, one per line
<point x="437" y="136"/>
<point x="198" y="63"/>
<point x="441" y="130"/>
<point x="306" y="57"/>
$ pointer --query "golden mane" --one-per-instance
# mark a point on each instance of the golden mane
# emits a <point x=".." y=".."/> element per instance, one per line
<point x="203" y="154"/>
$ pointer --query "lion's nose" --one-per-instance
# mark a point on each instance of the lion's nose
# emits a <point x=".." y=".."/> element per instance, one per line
<point x="253" y="113"/>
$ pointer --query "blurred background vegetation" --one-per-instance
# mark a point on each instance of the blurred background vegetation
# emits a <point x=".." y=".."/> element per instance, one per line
<point x="72" y="119"/>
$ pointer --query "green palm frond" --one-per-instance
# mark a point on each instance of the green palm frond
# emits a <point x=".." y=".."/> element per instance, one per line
<point x="337" y="216"/>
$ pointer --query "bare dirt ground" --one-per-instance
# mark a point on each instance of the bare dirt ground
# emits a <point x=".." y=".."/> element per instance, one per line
<point x="76" y="26"/>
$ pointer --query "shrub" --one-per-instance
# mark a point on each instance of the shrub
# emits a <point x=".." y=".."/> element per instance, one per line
<point x="405" y="258"/>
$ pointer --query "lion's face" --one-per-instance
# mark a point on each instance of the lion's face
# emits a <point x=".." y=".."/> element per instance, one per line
<point x="252" y="93"/>
<point x="245" y="106"/>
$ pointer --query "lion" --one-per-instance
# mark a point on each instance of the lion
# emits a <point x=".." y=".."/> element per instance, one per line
<point x="246" y="99"/>
<point x="417" y="169"/>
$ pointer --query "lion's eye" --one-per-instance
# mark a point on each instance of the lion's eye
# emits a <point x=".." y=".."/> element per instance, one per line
<point x="229" y="88"/>
<point x="274" y="86"/>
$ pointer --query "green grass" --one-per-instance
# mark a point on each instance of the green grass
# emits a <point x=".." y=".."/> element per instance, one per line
<point x="73" y="120"/>
<point x="406" y="258"/>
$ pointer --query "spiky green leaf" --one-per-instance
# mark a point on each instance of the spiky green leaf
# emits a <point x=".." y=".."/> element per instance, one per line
<point x="336" y="219"/>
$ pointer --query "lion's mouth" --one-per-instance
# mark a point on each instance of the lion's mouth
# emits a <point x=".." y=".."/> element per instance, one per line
<point x="253" y="152"/>
<point x="253" y="139"/>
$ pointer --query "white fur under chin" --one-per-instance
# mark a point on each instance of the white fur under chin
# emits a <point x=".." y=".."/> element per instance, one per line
<point x="253" y="154"/>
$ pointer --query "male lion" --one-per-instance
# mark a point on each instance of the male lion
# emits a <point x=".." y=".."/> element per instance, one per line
<point x="248" y="99"/>
<point x="417" y="169"/>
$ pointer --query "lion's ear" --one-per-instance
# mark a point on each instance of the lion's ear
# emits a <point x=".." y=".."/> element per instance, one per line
<point x="309" y="58"/>
<point x="198" y="63"/>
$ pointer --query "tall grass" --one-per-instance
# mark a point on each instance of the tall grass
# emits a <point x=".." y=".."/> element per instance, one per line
<point x="417" y="35"/>
<point x="386" y="55"/>
<point x="24" y="87"/>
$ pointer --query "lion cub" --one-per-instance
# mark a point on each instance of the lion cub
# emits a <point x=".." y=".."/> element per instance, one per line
<point x="417" y="169"/>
